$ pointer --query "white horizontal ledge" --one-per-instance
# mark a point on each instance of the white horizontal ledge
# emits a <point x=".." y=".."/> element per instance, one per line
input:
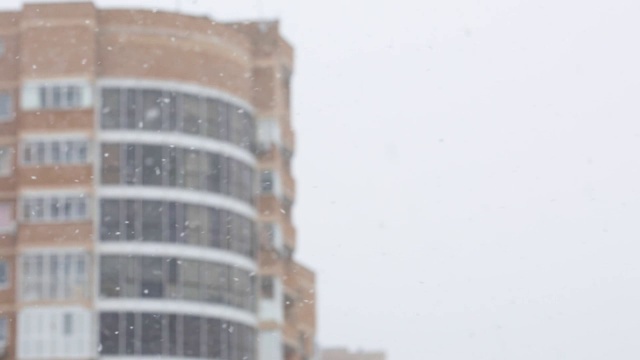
<point x="181" y="251"/>
<point x="160" y="193"/>
<point x="148" y="357"/>
<point x="180" y="140"/>
<point x="172" y="306"/>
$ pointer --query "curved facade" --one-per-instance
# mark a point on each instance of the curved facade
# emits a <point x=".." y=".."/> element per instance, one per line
<point x="146" y="189"/>
<point x="177" y="172"/>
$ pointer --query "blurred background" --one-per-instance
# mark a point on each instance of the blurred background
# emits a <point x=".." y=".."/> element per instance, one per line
<point x="468" y="178"/>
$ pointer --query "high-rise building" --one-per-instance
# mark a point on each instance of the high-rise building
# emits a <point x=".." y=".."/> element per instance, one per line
<point x="146" y="188"/>
<point x="345" y="354"/>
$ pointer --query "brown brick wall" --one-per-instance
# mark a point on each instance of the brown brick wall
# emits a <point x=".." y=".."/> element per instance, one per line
<point x="50" y="176"/>
<point x="58" y="120"/>
<point x="55" y="235"/>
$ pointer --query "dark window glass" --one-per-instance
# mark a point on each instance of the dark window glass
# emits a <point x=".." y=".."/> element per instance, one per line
<point x="266" y="181"/>
<point x="172" y="166"/>
<point x="151" y="278"/>
<point x="172" y="100"/>
<point x="151" y="339"/>
<point x="192" y="224"/>
<point x="152" y="165"/>
<point x="225" y="340"/>
<point x="192" y="170"/>
<point x="212" y="119"/>
<point x="248" y="131"/>
<point x="42" y="94"/>
<point x="172" y="331"/>
<point x="110" y="276"/>
<point x="190" y="279"/>
<point x="224" y="175"/>
<point x="214" y="328"/>
<point x="132" y="165"/>
<point x="109" y="333"/>
<point x="172" y="225"/>
<point x="174" y="290"/>
<point x="245" y="235"/>
<point x="110" y="216"/>
<point x="180" y="228"/>
<point x="111" y="109"/>
<point x="223" y="121"/>
<point x="132" y="120"/>
<point x="131" y="342"/>
<point x="131" y="215"/>
<point x="266" y="287"/>
<point x="151" y="113"/>
<point x="234" y="178"/>
<point x="213" y="175"/>
<point x="152" y="220"/>
<point x="131" y="278"/>
<point x="191" y="114"/>
<point x="215" y="228"/>
<point x="246" y="183"/>
<point x="234" y="124"/>
<point x="192" y="336"/>
<point x="56" y="92"/>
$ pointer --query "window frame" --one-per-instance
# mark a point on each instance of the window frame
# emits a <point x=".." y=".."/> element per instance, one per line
<point x="6" y="95"/>
<point x="6" y="160"/>
<point x="79" y="202"/>
<point x="7" y="272"/>
<point x="39" y="283"/>
<point x="74" y="149"/>
<point x="4" y="330"/>
<point x="40" y="95"/>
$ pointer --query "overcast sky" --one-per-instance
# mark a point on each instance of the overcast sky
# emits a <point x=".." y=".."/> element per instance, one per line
<point x="468" y="171"/>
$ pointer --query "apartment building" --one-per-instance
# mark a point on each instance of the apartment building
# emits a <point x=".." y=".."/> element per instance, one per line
<point x="146" y="189"/>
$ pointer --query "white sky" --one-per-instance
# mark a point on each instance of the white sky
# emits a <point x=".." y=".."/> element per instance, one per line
<point x="468" y="171"/>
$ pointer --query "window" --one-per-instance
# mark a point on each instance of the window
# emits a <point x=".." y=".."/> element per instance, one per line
<point x="6" y="106"/>
<point x="56" y="96"/>
<point x="152" y="165"/>
<point x="55" y="152"/>
<point x="185" y="279"/>
<point x="55" y="208"/>
<point x="6" y="160"/>
<point x="156" y="110"/>
<point x="67" y="326"/>
<point x="58" y="333"/>
<point x="156" y="221"/>
<point x="266" y="287"/>
<point x="4" y="274"/>
<point x="109" y="333"/>
<point x="4" y="330"/>
<point x="271" y="235"/>
<point x="111" y="163"/>
<point x="6" y="216"/>
<point x="268" y="134"/>
<point x="111" y="110"/>
<point x="177" y="336"/>
<point x="54" y="276"/>
<point x="266" y="182"/>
